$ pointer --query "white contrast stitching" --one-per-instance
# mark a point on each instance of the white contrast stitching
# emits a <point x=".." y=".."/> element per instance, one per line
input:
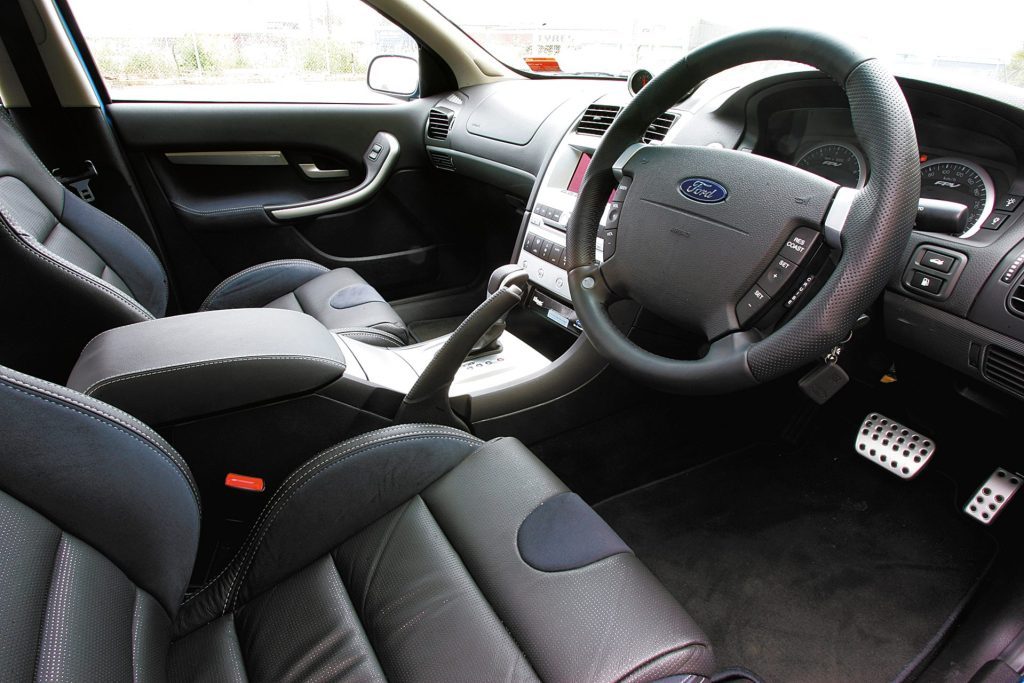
<point x="297" y="472"/>
<point x="252" y="269"/>
<point x="125" y="429"/>
<point x="297" y="486"/>
<point x="188" y="366"/>
<point x="71" y="268"/>
<point x="218" y="212"/>
<point x="350" y="331"/>
<point x="341" y="451"/>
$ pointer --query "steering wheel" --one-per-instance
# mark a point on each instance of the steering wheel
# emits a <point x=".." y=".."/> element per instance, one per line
<point x="713" y="240"/>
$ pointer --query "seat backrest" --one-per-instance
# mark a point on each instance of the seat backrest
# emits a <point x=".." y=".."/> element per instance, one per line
<point x="99" y="525"/>
<point x="67" y="270"/>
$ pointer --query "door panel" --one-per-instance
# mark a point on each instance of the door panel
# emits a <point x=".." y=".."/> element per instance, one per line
<point x="421" y="232"/>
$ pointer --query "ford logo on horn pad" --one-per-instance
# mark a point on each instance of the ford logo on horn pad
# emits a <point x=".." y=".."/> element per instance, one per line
<point x="703" y="190"/>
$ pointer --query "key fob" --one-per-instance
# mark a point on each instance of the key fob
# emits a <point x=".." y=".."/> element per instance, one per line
<point x="823" y="382"/>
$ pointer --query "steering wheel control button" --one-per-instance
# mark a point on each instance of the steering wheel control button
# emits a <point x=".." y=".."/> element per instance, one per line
<point x="940" y="262"/>
<point x="800" y="244"/>
<point x="799" y="293"/>
<point x="995" y="221"/>
<point x="926" y="282"/>
<point x="620" y="191"/>
<point x="609" y="237"/>
<point x="751" y="304"/>
<point x="614" y="211"/>
<point x="893" y="446"/>
<point x="777" y="276"/>
<point x="1009" y="202"/>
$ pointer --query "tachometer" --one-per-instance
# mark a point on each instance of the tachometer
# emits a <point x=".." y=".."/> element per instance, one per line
<point x="957" y="180"/>
<point x="842" y="164"/>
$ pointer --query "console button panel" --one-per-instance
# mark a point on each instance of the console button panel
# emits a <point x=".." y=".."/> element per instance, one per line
<point x="933" y="272"/>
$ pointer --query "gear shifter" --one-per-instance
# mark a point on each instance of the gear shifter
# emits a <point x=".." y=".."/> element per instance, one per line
<point x="503" y="276"/>
<point x="427" y="401"/>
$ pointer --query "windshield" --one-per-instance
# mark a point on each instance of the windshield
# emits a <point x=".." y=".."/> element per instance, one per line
<point x="600" y="37"/>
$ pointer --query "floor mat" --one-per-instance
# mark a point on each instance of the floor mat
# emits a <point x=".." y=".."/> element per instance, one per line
<point x="807" y="566"/>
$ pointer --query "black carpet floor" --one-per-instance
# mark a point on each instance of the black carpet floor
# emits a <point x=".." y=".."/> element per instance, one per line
<point x="810" y="565"/>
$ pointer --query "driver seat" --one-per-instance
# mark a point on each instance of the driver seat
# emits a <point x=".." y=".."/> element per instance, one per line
<point x="413" y="552"/>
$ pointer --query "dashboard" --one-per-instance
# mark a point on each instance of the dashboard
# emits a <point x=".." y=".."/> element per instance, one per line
<point x="959" y="297"/>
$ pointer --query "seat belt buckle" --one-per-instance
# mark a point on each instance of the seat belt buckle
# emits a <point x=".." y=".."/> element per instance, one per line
<point x="244" y="483"/>
<point x="78" y="179"/>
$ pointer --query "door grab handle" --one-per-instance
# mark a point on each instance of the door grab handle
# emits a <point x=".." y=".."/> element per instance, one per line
<point x="314" y="172"/>
<point x="380" y="159"/>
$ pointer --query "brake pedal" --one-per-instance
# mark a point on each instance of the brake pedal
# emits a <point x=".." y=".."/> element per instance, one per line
<point x="994" y="494"/>
<point x="893" y="446"/>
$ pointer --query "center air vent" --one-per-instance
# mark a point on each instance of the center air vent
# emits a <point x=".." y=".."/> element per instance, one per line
<point x="1005" y="368"/>
<point x="439" y="122"/>
<point x="597" y="119"/>
<point x="1016" y="300"/>
<point x="657" y="131"/>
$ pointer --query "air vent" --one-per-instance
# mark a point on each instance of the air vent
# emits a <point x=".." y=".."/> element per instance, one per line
<point x="442" y="161"/>
<point x="1005" y="368"/>
<point x="1016" y="300"/>
<point x="657" y="131"/>
<point x="439" y="122"/>
<point x="597" y="119"/>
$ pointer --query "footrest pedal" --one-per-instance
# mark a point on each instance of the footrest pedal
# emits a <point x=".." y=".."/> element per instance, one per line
<point x="993" y="496"/>
<point x="893" y="446"/>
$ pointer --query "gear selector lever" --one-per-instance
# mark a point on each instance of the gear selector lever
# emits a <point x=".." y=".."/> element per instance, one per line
<point x="427" y="401"/>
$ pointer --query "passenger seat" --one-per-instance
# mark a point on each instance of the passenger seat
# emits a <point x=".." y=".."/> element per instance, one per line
<point x="70" y="271"/>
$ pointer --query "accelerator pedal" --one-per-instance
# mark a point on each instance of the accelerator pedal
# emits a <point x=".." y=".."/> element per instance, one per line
<point x="993" y="495"/>
<point x="893" y="446"/>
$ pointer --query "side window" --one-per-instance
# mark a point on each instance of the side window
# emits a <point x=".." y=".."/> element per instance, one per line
<point x="238" y="50"/>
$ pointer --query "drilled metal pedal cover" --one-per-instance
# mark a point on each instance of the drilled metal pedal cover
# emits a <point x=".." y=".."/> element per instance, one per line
<point x="993" y="495"/>
<point x="893" y="446"/>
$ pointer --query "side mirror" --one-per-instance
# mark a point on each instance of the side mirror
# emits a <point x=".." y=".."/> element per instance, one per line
<point x="394" y="75"/>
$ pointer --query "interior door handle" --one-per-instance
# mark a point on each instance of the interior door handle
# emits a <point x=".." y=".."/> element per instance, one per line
<point x="380" y="159"/>
<point x="314" y="172"/>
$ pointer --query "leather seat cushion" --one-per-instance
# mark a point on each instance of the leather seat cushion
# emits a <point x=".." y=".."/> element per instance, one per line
<point x="436" y="588"/>
<point x="340" y="299"/>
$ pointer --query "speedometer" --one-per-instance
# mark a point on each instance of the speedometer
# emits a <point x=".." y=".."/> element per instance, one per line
<point x="957" y="180"/>
<point x="840" y="163"/>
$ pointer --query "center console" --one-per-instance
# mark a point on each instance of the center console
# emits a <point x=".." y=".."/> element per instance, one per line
<point x="542" y="248"/>
<point x="542" y="252"/>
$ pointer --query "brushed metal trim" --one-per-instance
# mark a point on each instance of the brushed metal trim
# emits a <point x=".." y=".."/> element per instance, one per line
<point x="243" y="158"/>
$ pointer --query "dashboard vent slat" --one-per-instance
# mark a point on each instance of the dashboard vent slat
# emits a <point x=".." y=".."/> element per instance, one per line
<point x="1016" y="300"/>
<point x="1005" y="368"/>
<point x="657" y="131"/>
<point x="443" y="161"/>
<point x="597" y="119"/>
<point x="439" y="123"/>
